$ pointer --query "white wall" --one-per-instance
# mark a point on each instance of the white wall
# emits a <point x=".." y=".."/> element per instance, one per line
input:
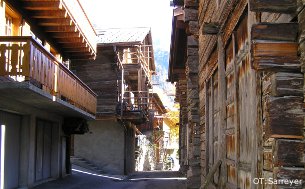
<point x="103" y="146"/>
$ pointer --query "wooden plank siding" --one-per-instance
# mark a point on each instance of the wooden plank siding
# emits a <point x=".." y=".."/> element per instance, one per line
<point x="263" y="92"/>
<point x="251" y="91"/>
<point x="101" y="76"/>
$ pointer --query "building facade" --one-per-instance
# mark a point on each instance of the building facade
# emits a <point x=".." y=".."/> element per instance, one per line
<point x="121" y="76"/>
<point x="41" y="101"/>
<point x="183" y="70"/>
<point x="250" y="71"/>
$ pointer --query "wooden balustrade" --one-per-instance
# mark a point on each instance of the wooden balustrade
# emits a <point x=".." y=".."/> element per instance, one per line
<point x="24" y="59"/>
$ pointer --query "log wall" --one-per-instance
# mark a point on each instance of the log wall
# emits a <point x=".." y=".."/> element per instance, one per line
<point x="101" y="75"/>
<point x="251" y="92"/>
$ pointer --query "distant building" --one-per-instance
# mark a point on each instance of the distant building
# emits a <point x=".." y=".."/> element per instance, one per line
<point x="41" y="101"/>
<point x="149" y="142"/>
<point x="121" y="76"/>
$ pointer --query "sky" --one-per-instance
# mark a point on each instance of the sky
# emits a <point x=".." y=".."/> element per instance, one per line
<point x="156" y="14"/>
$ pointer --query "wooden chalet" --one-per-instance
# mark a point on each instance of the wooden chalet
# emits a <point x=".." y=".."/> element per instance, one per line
<point x="42" y="102"/>
<point x="251" y="91"/>
<point x="121" y="76"/>
<point x="158" y="133"/>
<point x="135" y="61"/>
<point x="183" y="71"/>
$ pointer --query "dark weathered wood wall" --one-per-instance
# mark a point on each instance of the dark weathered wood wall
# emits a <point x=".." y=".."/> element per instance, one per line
<point x="101" y="75"/>
<point x="251" y="91"/>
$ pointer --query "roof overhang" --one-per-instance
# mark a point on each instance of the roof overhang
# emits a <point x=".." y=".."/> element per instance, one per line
<point x="178" y="47"/>
<point x="159" y="104"/>
<point x="62" y="23"/>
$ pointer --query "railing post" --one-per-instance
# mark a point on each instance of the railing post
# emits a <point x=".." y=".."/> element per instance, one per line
<point x="2" y="60"/>
<point x="14" y="60"/>
<point x="26" y="66"/>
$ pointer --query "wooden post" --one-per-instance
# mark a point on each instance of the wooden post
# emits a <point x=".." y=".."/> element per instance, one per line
<point x="2" y="60"/>
<point x="14" y="60"/>
<point x="236" y="111"/>
<point x="222" y="106"/>
<point x="211" y="125"/>
<point x="207" y="150"/>
<point x="210" y="175"/>
<point x="253" y="18"/>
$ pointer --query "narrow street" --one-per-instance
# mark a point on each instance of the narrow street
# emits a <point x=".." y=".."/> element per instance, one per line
<point x="81" y="179"/>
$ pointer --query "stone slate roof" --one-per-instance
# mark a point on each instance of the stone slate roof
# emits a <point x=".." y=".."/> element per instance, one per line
<point x="122" y="35"/>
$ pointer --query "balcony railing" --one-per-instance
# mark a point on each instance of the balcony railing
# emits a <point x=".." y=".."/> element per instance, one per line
<point x="24" y="59"/>
<point x="141" y="101"/>
<point x="137" y="56"/>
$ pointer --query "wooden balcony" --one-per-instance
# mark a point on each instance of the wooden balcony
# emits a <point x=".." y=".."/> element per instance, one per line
<point x="138" y="66"/>
<point x="24" y="63"/>
<point x="63" y="23"/>
<point x="135" y="108"/>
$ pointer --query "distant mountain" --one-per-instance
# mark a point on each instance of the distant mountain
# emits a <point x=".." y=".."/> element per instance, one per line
<point x="161" y="57"/>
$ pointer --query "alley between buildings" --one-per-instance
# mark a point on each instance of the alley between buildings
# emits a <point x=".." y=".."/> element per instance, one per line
<point x="82" y="178"/>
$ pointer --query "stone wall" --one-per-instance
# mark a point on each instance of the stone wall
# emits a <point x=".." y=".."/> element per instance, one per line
<point x="192" y="62"/>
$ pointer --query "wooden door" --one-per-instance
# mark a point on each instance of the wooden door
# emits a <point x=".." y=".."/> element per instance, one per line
<point x="43" y="150"/>
<point x="241" y="110"/>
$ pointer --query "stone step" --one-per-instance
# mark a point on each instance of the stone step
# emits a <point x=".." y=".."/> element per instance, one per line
<point x="85" y="164"/>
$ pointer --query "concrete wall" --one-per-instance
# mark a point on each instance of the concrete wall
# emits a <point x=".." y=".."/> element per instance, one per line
<point x="25" y="162"/>
<point x="106" y="142"/>
<point x="129" y="149"/>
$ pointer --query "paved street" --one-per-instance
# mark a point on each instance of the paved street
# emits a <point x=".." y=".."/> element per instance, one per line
<point x="81" y="179"/>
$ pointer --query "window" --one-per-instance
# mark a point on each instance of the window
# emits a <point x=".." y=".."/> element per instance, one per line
<point x="8" y="25"/>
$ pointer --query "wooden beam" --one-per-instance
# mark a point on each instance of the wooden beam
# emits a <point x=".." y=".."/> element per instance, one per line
<point x="72" y="45"/>
<point x="60" y="29"/>
<point x="77" y="49"/>
<point x="284" y="117"/>
<point x="210" y="28"/>
<point x="74" y="40"/>
<point x="81" y="56"/>
<point x="275" y="31"/>
<point x="54" y="22"/>
<point x="286" y="84"/>
<point x="42" y="5"/>
<point x="210" y="176"/>
<point x="275" y="6"/>
<point x="66" y="35"/>
<point x="52" y="14"/>
<point x="275" y="56"/>
<point x="289" y="153"/>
